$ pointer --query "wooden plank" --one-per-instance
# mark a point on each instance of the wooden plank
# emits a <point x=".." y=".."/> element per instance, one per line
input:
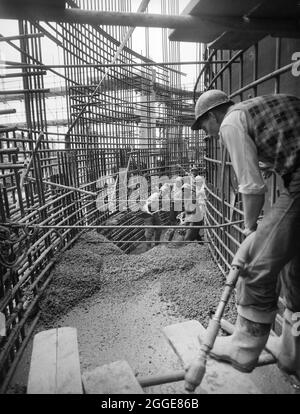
<point x="114" y="378"/>
<point x="42" y="373"/>
<point x="55" y="367"/>
<point x="68" y="365"/>
<point x="219" y="377"/>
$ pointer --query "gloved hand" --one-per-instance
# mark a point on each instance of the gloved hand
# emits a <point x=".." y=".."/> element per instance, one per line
<point x="266" y="169"/>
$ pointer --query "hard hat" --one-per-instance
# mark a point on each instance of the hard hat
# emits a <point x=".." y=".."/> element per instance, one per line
<point x="207" y="101"/>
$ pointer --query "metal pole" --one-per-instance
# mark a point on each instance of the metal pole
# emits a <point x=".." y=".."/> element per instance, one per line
<point x="138" y="19"/>
<point x="14" y="65"/>
<point x="90" y="227"/>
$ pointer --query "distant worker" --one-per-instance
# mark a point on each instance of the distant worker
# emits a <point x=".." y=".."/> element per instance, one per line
<point x="196" y="179"/>
<point x="168" y="206"/>
<point x="194" y="212"/>
<point x="194" y="171"/>
<point x="152" y="218"/>
<point x="266" y="129"/>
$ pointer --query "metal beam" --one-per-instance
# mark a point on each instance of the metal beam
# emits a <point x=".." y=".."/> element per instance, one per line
<point x="157" y="20"/>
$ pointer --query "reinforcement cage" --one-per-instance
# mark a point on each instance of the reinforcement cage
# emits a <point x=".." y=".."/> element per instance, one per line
<point x="126" y="117"/>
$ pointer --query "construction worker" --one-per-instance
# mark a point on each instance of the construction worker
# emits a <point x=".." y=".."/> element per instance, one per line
<point x="194" y="171"/>
<point x="194" y="210"/>
<point x="262" y="129"/>
<point x="150" y="213"/>
<point x="167" y="205"/>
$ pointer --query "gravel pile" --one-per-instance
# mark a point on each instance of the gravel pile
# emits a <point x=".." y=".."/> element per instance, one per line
<point x="188" y="277"/>
<point x="76" y="276"/>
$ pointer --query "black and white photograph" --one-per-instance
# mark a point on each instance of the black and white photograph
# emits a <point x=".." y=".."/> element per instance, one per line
<point x="149" y="201"/>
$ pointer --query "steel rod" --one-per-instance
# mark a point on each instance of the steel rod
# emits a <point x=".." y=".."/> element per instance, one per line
<point x="30" y="163"/>
<point x="65" y="187"/>
<point x="9" y="150"/>
<point x="7" y="111"/>
<point x="121" y="226"/>
<point x="263" y="79"/>
<point x="107" y="65"/>
<point x="7" y="166"/>
<point x="23" y="91"/>
<point x="18" y="37"/>
<point x="22" y="74"/>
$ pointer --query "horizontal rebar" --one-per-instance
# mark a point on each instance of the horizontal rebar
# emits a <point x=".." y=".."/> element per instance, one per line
<point x="23" y="74"/>
<point x="156" y="242"/>
<point x="7" y="111"/>
<point x="107" y="65"/>
<point x="120" y="227"/>
<point x="18" y="91"/>
<point x="20" y="36"/>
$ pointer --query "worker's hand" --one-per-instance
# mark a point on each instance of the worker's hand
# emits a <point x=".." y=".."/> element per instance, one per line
<point x="266" y="169"/>
<point x="266" y="174"/>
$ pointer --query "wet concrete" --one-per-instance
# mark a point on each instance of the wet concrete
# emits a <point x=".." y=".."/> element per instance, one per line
<point x="118" y="326"/>
<point x="120" y="304"/>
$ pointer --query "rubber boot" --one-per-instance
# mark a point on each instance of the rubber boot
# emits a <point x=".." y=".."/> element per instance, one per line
<point x="286" y="348"/>
<point x="243" y="347"/>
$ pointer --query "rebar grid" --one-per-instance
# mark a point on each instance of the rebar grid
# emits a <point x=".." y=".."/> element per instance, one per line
<point x="139" y="120"/>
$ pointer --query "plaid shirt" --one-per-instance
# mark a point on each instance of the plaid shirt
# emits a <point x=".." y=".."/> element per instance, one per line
<point x="274" y="125"/>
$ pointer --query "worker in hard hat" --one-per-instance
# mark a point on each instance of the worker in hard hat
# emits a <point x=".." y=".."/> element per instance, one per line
<point x="262" y="129"/>
<point x="167" y="205"/>
<point x="194" y="211"/>
<point x="150" y="212"/>
<point x="194" y="171"/>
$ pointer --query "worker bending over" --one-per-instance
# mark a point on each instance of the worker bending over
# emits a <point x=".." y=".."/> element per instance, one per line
<point x="150" y="213"/>
<point x="263" y="129"/>
<point x="194" y="211"/>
